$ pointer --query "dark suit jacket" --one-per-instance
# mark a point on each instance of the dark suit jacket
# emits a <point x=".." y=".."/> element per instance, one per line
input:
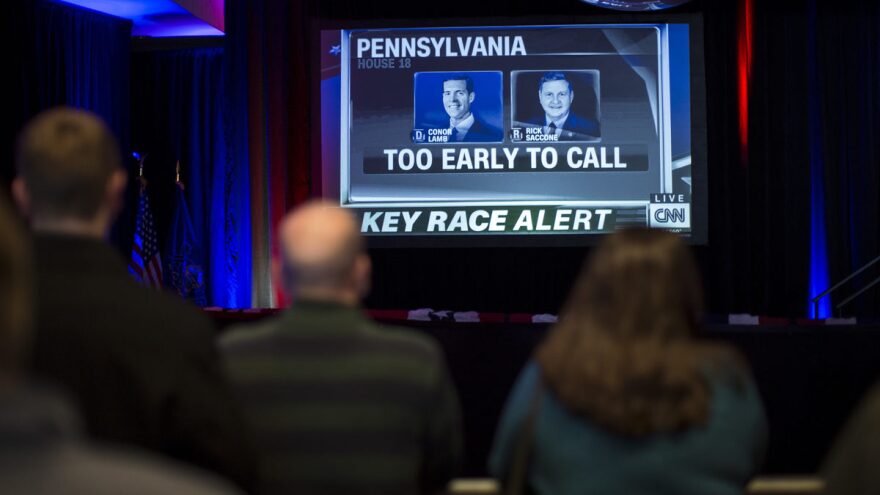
<point x="142" y="365"/>
<point x="576" y="128"/>
<point x="482" y="132"/>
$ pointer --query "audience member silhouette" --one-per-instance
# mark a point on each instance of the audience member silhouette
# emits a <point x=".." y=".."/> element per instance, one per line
<point x="41" y="452"/>
<point x="141" y="364"/>
<point x="630" y="400"/>
<point x="339" y="403"/>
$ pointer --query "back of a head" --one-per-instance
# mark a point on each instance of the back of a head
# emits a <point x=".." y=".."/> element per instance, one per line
<point x="624" y="351"/>
<point x="66" y="158"/>
<point x="321" y="247"/>
<point x="15" y="297"/>
<point x="639" y="284"/>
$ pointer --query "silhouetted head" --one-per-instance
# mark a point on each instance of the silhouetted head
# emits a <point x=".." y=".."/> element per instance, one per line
<point x="69" y="172"/>
<point x="323" y="254"/>
<point x="624" y="352"/>
<point x="639" y="284"/>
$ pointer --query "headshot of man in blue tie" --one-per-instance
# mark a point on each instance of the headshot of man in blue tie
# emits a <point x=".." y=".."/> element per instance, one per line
<point x="464" y="123"/>
<point x="556" y="95"/>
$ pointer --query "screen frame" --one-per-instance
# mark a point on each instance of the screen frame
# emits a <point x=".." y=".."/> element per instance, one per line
<point x="699" y="233"/>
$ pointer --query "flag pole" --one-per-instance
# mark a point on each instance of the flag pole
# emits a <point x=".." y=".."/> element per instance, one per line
<point x="145" y="263"/>
<point x="177" y="173"/>
<point x="141" y="158"/>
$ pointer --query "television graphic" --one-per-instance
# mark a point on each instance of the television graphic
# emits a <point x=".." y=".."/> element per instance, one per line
<point x="513" y="132"/>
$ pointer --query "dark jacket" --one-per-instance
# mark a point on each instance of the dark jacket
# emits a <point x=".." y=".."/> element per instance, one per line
<point x="479" y="132"/>
<point x="851" y="466"/>
<point x="141" y="364"/>
<point x="339" y="404"/>
<point x="482" y="132"/>
<point x="42" y="453"/>
<point x="576" y="128"/>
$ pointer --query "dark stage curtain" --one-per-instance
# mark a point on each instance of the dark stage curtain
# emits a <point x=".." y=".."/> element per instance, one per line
<point x="63" y="55"/>
<point x="179" y="112"/>
<point x="757" y="260"/>
<point x="761" y="209"/>
<point x="814" y="105"/>
<point x="269" y="67"/>
<point x="847" y="85"/>
<point x="70" y="56"/>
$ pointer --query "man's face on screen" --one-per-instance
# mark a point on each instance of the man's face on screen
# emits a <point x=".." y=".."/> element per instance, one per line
<point x="556" y="98"/>
<point x="456" y="98"/>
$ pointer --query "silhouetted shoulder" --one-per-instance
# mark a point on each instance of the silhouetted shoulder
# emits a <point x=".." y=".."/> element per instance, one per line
<point x="242" y="337"/>
<point x="97" y="471"/>
<point x="851" y="465"/>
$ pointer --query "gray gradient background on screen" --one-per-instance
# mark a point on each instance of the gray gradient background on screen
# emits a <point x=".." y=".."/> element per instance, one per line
<point x="381" y="116"/>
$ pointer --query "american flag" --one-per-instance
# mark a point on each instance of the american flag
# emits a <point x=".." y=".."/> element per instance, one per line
<point x="145" y="264"/>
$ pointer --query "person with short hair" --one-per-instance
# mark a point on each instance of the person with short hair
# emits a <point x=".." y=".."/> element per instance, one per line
<point x="340" y="404"/>
<point x="42" y="452"/>
<point x="556" y="95"/>
<point x="141" y="364"/>
<point x="465" y="124"/>
<point x="626" y="397"/>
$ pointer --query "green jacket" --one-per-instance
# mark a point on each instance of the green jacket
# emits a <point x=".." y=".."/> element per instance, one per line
<point x="340" y="404"/>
